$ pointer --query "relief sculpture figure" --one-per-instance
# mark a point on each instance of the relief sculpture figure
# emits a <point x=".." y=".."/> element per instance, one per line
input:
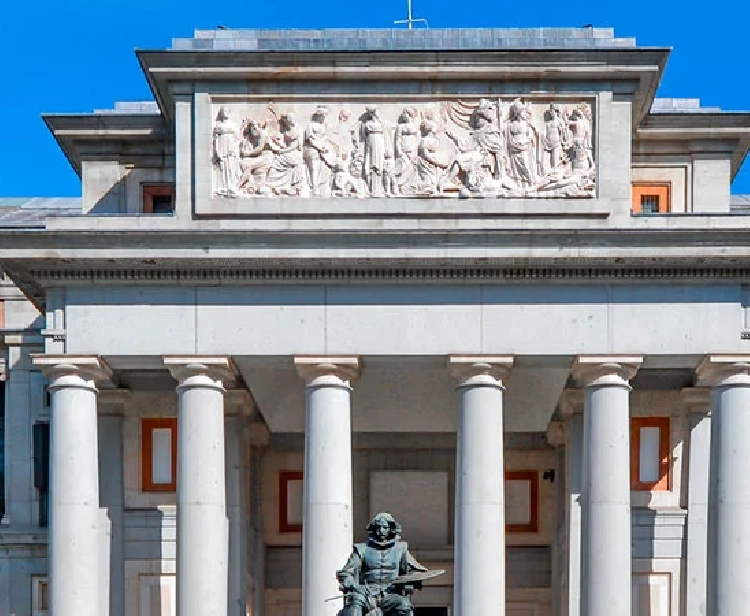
<point x="256" y="159"/>
<point x="521" y="140"/>
<point x="481" y="148"/>
<point x="370" y="577"/>
<point x="286" y="175"/>
<point x="226" y="141"/>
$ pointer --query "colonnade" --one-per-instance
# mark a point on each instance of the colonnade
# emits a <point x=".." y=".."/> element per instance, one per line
<point x="479" y="582"/>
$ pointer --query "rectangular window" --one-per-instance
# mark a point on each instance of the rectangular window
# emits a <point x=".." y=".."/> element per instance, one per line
<point x="651" y="197"/>
<point x="521" y="501"/>
<point x="39" y="596"/>
<point x="41" y="469"/>
<point x="159" y="454"/>
<point x="290" y="502"/>
<point x="158" y="199"/>
<point x="650" y="454"/>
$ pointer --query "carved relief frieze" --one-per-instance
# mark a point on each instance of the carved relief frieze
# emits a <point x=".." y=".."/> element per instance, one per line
<point x="483" y="148"/>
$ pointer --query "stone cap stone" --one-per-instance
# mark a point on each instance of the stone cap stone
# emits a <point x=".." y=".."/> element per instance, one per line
<point x="400" y="39"/>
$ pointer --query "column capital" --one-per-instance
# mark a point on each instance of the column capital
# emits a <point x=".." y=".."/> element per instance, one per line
<point x="720" y="369"/>
<point x="697" y="400"/>
<point x="240" y="403"/>
<point x="597" y="370"/>
<point x="215" y="371"/>
<point x="258" y="434"/>
<point x="477" y="370"/>
<point x="73" y="370"/>
<point x="335" y="370"/>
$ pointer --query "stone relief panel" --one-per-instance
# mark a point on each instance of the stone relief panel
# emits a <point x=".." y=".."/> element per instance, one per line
<point x="482" y="148"/>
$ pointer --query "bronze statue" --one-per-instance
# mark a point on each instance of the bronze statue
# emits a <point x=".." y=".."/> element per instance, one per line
<point x="381" y="574"/>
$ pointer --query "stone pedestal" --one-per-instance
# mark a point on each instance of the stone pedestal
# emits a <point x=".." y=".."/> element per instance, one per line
<point x="729" y="484"/>
<point x="606" y="580"/>
<point x="479" y="579"/>
<point x="202" y="527"/>
<point x="73" y="557"/>
<point x="327" y="533"/>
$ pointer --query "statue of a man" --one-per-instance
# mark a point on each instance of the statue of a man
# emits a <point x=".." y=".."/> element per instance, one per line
<point x="367" y="577"/>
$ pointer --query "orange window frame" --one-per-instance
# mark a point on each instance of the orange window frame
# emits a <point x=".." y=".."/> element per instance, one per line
<point x="662" y="190"/>
<point x="285" y="477"/>
<point x="665" y="454"/>
<point x="532" y="477"/>
<point x="156" y="190"/>
<point x="148" y="425"/>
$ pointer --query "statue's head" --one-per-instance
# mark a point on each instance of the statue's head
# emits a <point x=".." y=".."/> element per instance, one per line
<point x="383" y="528"/>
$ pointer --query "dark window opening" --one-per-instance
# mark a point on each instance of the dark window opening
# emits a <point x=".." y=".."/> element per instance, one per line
<point x="650" y="204"/>
<point x="158" y="199"/>
<point x="41" y="469"/>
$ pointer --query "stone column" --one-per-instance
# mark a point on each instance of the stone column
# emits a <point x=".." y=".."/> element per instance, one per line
<point x="606" y="580"/>
<point x="73" y="544"/>
<point x="698" y="403"/>
<point x="479" y="589"/>
<point x="327" y="532"/>
<point x="729" y="489"/>
<point x="202" y="528"/>
<point x="557" y="438"/>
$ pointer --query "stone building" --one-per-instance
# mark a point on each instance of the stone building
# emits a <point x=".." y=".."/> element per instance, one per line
<point x="480" y="279"/>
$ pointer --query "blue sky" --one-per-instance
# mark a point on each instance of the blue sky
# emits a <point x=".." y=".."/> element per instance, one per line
<point x="77" y="55"/>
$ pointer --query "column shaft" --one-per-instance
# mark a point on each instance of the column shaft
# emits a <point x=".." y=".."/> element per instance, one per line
<point x="74" y="499"/>
<point x="731" y="497"/>
<point x="202" y="533"/>
<point x="606" y="575"/>
<point x="327" y="528"/>
<point x="74" y="528"/>
<point x="479" y="578"/>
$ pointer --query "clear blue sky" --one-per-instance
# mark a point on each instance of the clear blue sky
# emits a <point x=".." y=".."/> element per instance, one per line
<point x="77" y="55"/>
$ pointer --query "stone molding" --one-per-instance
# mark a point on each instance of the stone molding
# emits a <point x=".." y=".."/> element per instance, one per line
<point x="193" y="370"/>
<point x="240" y="403"/>
<point x="112" y="402"/>
<point x="478" y="370"/>
<point x="332" y="370"/>
<point x="598" y="370"/>
<point x="85" y="368"/>
<point x="720" y="369"/>
<point x="571" y="402"/>
<point x="557" y="433"/>
<point x="697" y="400"/>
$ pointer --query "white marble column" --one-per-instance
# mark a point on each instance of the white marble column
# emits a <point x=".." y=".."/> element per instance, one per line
<point x="606" y="580"/>
<point x="202" y="526"/>
<point x="327" y="532"/>
<point x="698" y="403"/>
<point x="73" y="544"/>
<point x="729" y="489"/>
<point x="478" y="589"/>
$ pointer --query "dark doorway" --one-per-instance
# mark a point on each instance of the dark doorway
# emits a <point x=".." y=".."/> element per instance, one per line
<point x="430" y="611"/>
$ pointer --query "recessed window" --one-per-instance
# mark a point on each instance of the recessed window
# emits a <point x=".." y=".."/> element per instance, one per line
<point x="650" y="454"/>
<point x="39" y="595"/>
<point x="159" y="454"/>
<point x="158" y="199"/>
<point x="290" y="502"/>
<point x="651" y="198"/>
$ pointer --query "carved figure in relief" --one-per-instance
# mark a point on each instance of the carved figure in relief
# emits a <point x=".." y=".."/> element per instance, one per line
<point x="581" y="155"/>
<point x="286" y="175"/>
<point x="406" y="143"/>
<point x="555" y="139"/>
<point x="430" y="167"/>
<point x="521" y="140"/>
<point x="319" y="154"/>
<point x="226" y="138"/>
<point x="256" y="159"/>
<point x="372" y="134"/>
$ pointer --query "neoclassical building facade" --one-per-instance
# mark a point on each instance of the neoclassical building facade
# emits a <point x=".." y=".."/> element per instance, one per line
<point x="481" y="279"/>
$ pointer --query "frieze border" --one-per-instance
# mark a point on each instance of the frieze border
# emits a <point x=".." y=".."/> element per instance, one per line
<point x="389" y="274"/>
